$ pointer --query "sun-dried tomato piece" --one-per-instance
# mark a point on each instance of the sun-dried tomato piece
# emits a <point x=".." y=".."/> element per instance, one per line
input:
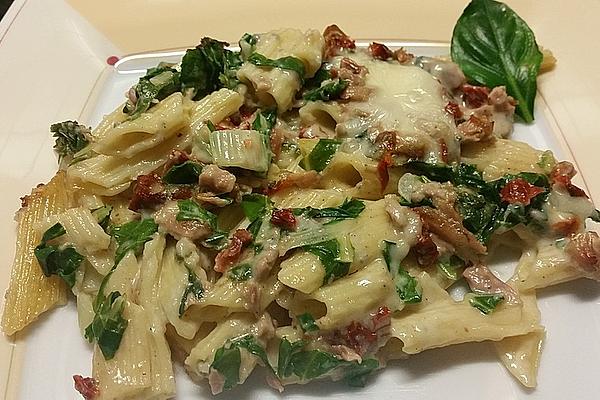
<point x="426" y="250"/>
<point x="88" y="387"/>
<point x="382" y="170"/>
<point x="380" y="51"/>
<point x="454" y="109"/>
<point x="231" y="254"/>
<point x="359" y="337"/>
<point x="475" y="96"/>
<point x="561" y="174"/>
<point x="381" y="317"/>
<point x="443" y="150"/>
<point x="285" y="219"/>
<point x="519" y="191"/>
<point x="149" y="191"/>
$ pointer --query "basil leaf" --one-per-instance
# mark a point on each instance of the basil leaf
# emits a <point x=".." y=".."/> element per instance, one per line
<point x="132" y="236"/>
<point x="189" y="210"/>
<point x="356" y="374"/>
<point x="54" y="260"/>
<point x="407" y="287"/>
<point x="240" y="273"/>
<point x="349" y="209"/>
<point x="494" y="46"/>
<point x="185" y="173"/>
<point x="70" y="138"/>
<point x="307" y="322"/>
<point x="193" y="287"/>
<point x="265" y="121"/>
<point x="326" y="92"/>
<point x="329" y="252"/>
<point x="108" y="325"/>
<point x="227" y="361"/>
<point x="321" y="154"/>
<point x="486" y="303"/>
<point x="289" y="63"/>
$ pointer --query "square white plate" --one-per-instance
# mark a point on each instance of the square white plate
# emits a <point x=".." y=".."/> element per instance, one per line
<point x="54" y="349"/>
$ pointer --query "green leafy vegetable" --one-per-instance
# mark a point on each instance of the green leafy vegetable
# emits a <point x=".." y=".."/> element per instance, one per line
<point x="185" y="173"/>
<point x="255" y="205"/>
<point x="494" y="46"/>
<point x="451" y="267"/>
<point x="321" y="154"/>
<point x="102" y="215"/>
<point x="329" y="253"/>
<point x="349" y="209"/>
<point x="208" y="67"/>
<point x="307" y="322"/>
<point x="311" y="364"/>
<point x="108" y="325"/>
<point x="247" y="149"/>
<point x="407" y="287"/>
<point x="70" y="138"/>
<point x="193" y="287"/>
<point x="486" y="303"/>
<point x="158" y="83"/>
<point x="250" y="343"/>
<point x="189" y="210"/>
<point x="218" y="240"/>
<point x="132" y="236"/>
<point x="227" y="361"/>
<point x="289" y="63"/>
<point x="328" y="91"/>
<point x="264" y="121"/>
<point x="240" y="273"/>
<point x="54" y="260"/>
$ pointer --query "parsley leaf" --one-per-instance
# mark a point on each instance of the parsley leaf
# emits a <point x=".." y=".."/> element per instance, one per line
<point x="71" y="137"/>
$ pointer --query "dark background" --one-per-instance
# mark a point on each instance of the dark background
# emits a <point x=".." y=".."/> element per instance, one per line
<point x="4" y="4"/>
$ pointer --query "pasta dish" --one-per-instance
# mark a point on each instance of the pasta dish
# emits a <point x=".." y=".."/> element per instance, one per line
<point x="302" y="205"/>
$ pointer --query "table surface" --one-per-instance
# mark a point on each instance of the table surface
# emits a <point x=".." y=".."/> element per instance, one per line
<point x="74" y="38"/>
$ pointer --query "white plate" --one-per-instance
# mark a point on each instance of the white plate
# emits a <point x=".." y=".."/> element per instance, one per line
<point x="54" y="349"/>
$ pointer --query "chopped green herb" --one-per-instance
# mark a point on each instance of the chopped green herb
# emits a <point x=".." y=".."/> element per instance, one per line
<point x="307" y="322"/>
<point x="250" y="343"/>
<point x="108" y="325"/>
<point x="265" y="121"/>
<point x="189" y="210"/>
<point x="132" y="236"/>
<point x="54" y="260"/>
<point x="255" y="206"/>
<point x="451" y="267"/>
<point x="321" y="154"/>
<point x="494" y="47"/>
<point x="158" y="83"/>
<point x="218" y="240"/>
<point x="486" y="303"/>
<point x="356" y="374"/>
<point x="407" y="287"/>
<point x="194" y="288"/>
<point x="227" y="361"/>
<point x="289" y="63"/>
<point x="286" y="350"/>
<point x="240" y="273"/>
<point x="102" y="215"/>
<point x="71" y="137"/>
<point x="185" y="173"/>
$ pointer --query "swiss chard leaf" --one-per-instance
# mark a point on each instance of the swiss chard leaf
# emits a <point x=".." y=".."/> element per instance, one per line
<point x="193" y="288"/>
<point x="240" y="273"/>
<point x="327" y="91"/>
<point x="255" y="206"/>
<point x="102" y="215"/>
<point x="451" y="267"/>
<point x="356" y="374"/>
<point x="407" y="287"/>
<point x="286" y="350"/>
<point x="189" y="210"/>
<point x="108" y="325"/>
<point x="329" y="252"/>
<point x="231" y="63"/>
<point x="54" y="260"/>
<point x="486" y="303"/>
<point x="250" y="343"/>
<point x="312" y="364"/>
<point x="494" y="46"/>
<point x="321" y="154"/>
<point x="307" y="322"/>
<point x="185" y="173"/>
<point x="158" y="83"/>
<point x="70" y="137"/>
<point x="349" y="209"/>
<point x="289" y="63"/>
<point x="132" y="236"/>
